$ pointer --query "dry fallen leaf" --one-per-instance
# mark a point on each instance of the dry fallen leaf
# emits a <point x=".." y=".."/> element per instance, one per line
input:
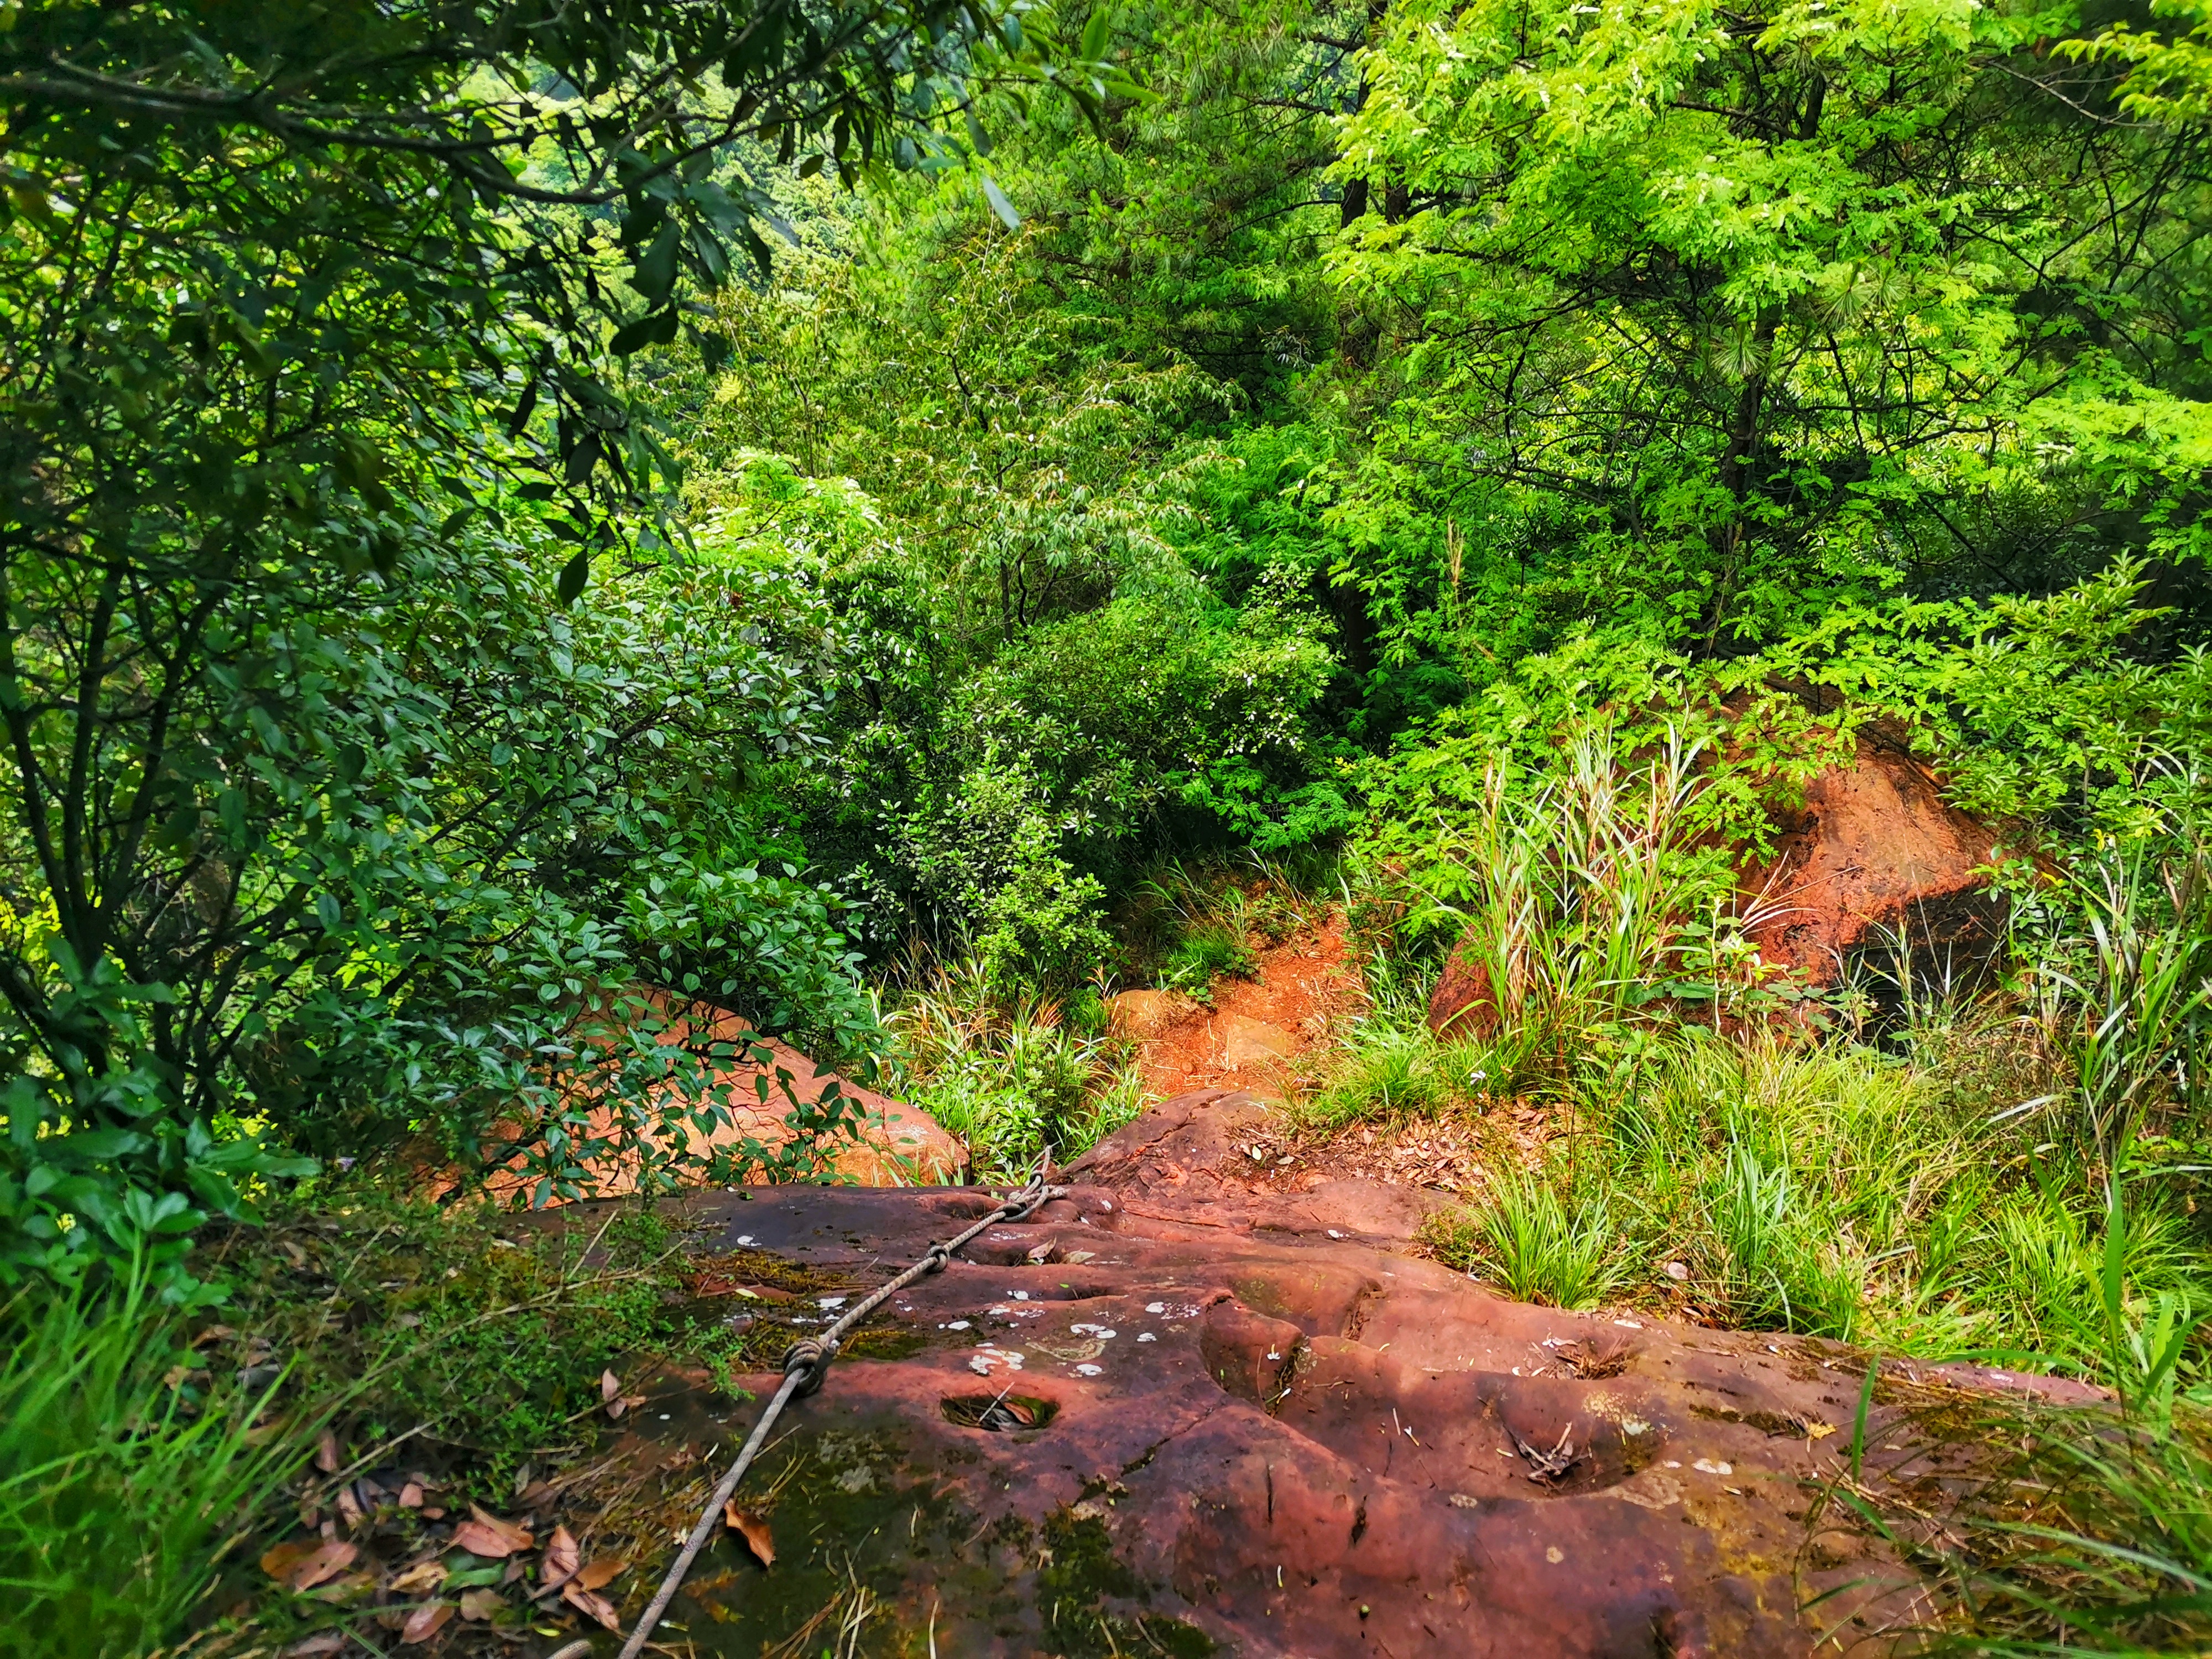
<point x="610" y="1386"/>
<point x="753" y="1529"/>
<point x="326" y="1562"/>
<point x="356" y="1586"/>
<point x="561" y="1559"/>
<point x="410" y="1496"/>
<point x="327" y="1452"/>
<point x="311" y="1647"/>
<point x="489" y="1537"/>
<point x="591" y="1605"/>
<point x="422" y="1576"/>
<point x="600" y="1570"/>
<point x="279" y="1561"/>
<point x="424" y="1623"/>
<point x="350" y="1510"/>
<point x="481" y="1604"/>
<point x="1816" y="1430"/>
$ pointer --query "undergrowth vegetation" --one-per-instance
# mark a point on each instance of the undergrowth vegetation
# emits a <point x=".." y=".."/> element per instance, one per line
<point x="121" y="1493"/>
<point x="1017" y="1078"/>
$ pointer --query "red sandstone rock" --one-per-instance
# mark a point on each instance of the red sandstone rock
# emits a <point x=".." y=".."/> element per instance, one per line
<point x="1877" y="855"/>
<point x="1240" y="1432"/>
<point x="900" y="1145"/>
<point x="1875" y="859"/>
<point x="1463" y="1004"/>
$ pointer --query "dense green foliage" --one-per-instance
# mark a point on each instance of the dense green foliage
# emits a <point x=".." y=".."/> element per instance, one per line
<point x="324" y="818"/>
<point x="517" y="526"/>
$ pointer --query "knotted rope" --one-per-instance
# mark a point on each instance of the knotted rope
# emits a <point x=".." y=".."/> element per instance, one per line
<point x="806" y="1363"/>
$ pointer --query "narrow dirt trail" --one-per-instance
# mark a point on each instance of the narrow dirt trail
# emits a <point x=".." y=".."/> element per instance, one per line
<point x="1269" y="1038"/>
<point x="1264" y="1035"/>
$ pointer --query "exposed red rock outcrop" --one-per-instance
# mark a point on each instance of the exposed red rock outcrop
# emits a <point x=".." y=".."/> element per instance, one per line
<point x="1257" y="1030"/>
<point x="899" y="1144"/>
<point x="1876" y="854"/>
<point x="1235" y="1430"/>
<point x="1463" y="1004"/>
<point x="1874" y="857"/>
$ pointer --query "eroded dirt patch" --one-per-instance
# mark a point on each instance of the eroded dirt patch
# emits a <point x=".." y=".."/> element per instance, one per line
<point x="1266" y="1033"/>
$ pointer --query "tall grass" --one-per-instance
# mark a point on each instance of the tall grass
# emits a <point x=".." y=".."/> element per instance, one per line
<point x="2123" y="966"/>
<point x="1538" y="1245"/>
<point x="118" y="1495"/>
<point x="1575" y="894"/>
<point x="1007" y="1073"/>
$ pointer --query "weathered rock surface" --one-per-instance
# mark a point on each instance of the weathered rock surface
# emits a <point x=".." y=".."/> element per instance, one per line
<point x="1153" y="1420"/>
<point x="900" y="1145"/>
<point x="1248" y="1044"/>
<point x="1187" y="1162"/>
<point x="1877" y="855"/>
<point x="1143" y="1015"/>
<point x="1463" y="1004"/>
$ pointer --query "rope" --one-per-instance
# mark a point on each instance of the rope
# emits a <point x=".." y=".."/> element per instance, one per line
<point x="806" y="1363"/>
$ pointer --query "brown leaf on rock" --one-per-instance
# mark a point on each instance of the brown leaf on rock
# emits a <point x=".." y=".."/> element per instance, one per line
<point x="325" y="1562"/>
<point x="563" y="1558"/>
<point x="591" y="1605"/>
<point x="753" y="1529"/>
<point x="489" y="1537"/>
<point x="479" y="1605"/>
<point x="600" y="1572"/>
<point x="422" y="1576"/>
<point x="279" y="1561"/>
<point x="424" y="1623"/>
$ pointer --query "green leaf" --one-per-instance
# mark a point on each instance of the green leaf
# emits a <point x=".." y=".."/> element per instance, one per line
<point x="999" y="204"/>
<point x="1096" y="33"/>
<point x="654" y="273"/>
<point x="574" y="576"/>
<point x="659" y="329"/>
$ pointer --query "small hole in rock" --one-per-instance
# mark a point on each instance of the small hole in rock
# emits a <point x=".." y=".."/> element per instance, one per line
<point x="999" y="1413"/>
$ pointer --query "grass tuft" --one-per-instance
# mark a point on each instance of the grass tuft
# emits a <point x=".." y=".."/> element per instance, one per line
<point x="121" y="1486"/>
<point x="1009" y="1075"/>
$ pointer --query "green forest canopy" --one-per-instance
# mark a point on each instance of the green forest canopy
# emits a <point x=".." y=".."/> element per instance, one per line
<point x="501" y="514"/>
